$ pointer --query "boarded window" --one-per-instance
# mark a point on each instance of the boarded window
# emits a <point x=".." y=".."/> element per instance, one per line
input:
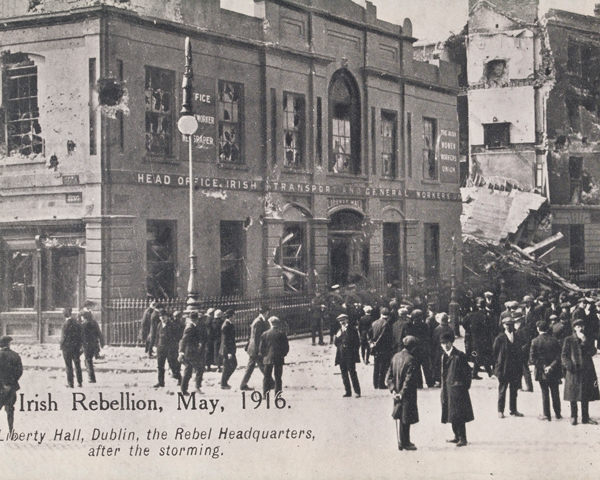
<point x="159" y="91"/>
<point x="293" y="130"/>
<point x="160" y="258"/>
<point x="230" y="122"/>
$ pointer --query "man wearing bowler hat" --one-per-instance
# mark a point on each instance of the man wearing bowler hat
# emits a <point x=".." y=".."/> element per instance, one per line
<point x="544" y="355"/>
<point x="380" y="336"/>
<point x="508" y="367"/>
<point x="11" y="370"/>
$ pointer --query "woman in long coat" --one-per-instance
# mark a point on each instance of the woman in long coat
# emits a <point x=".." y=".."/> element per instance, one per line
<point x="581" y="382"/>
<point x="456" y="381"/>
<point x="402" y="383"/>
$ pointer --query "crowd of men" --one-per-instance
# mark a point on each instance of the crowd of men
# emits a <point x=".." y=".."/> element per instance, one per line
<point x="205" y="341"/>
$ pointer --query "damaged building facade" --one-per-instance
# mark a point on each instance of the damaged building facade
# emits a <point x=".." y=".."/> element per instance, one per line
<point x="324" y="152"/>
<point x="532" y="119"/>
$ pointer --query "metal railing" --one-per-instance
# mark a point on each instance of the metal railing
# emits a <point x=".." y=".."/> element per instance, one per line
<point x="585" y="276"/>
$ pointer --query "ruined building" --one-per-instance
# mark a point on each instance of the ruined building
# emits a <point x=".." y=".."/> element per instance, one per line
<point x="533" y="96"/>
<point x="325" y="152"/>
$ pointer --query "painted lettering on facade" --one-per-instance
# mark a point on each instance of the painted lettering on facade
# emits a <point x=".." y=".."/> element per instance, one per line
<point x="359" y="203"/>
<point x="204" y="104"/>
<point x="449" y="172"/>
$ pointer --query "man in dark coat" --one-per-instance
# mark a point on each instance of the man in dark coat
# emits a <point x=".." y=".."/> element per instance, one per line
<point x="228" y="349"/>
<point x="481" y="352"/>
<point x="562" y="329"/>
<point x="581" y="382"/>
<point x="544" y="355"/>
<point x="318" y="317"/>
<point x="93" y="341"/>
<point x="364" y="325"/>
<point x="508" y="367"/>
<point x="401" y="381"/>
<point x="401" y="327"/>
<point x="11" y="370"/>
<point x="274" y="347"/>
<point x="456" y="381"/>
<point x="216" y="326"/>
<point x="146" y="326"/>
<point x="380" y="336"/>
<point x="166" y="335"/>
<point x="192" y="348"/>
<point x="210" y="345"/>
<point x="523" y="340"/>
<point x="71" y="340"/>
<point x="347" y="344"/>
<point x="443" y="327"/>
<point x="258" y="327"/>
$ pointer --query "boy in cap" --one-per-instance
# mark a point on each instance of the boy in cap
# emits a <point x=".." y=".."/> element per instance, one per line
<point x="456" y="381"/>
<point x="508" y="367"/>
<point x="545" y="357"/>
<point x="11" y="370"/>
<point x="401" y="380"/>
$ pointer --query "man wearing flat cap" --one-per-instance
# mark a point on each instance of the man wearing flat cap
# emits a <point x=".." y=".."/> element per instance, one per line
<point x="93" y="341"/>
<point x="544" y="355"/>
<point x="380" y="336"/>
<point x="165" y="336"/>
<point x="347" y="355"/>
<point x="11" y="370"/>
<point x="456" y="381"/>
<point x="523" y="340"/>
<point x="508" y="367"/>
<point x="192" y="349"/>
<point x="401" y="380"/>
<point x="581" y="382"/>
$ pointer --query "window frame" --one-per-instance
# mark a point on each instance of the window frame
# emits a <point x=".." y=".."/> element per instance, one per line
<point x="299" y="131"/>
<point x="169" y="265"/>
<point x="488" y="141"/>
<point x="223" y="122"/>
<point x="290" y="261"/>
<point x="239" y="263"/>
<point x="389" y="116"/>
<point x="430" y="152"/>
<point x="149" y="90"/>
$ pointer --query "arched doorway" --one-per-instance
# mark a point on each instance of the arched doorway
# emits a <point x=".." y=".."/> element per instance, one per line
<point x="348" y="248"/>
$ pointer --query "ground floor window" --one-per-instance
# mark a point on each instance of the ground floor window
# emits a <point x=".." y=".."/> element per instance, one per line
<point x="160" y="258"/>
<point x="233" y="248"/>
<point x="65" y="270"/>
<point x="293" y="258"/>
<point x="348" y="248"/>
<point x="391" y="252"/>
<point x="20" y="278"/>
<point x="432" y="250"/>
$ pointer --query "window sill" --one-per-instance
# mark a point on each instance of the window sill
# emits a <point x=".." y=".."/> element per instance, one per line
<point x="160" y="159"/>
<point x="233" y="166"/>
<point x="391" y="178"/>
<point x="296" y="171"/>
<point x="359" y="176"/>
<point x="20" y="160"/>
<point x="431" y="182"/>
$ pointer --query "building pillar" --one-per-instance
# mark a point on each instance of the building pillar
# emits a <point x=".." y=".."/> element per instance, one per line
<point x="272" y="278"/>
<point x="320" y="228"/>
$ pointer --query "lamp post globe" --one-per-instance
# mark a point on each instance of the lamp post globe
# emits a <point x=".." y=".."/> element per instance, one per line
<point x="187" y="125"/>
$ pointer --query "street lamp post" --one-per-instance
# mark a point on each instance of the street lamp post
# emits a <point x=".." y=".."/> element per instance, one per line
<point x="453" y="300"/>
<point x="188" y="125"/>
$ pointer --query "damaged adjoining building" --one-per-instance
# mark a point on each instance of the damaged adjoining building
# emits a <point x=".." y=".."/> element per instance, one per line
<point x="533" y="95"/>
<point x="325" y="151"/>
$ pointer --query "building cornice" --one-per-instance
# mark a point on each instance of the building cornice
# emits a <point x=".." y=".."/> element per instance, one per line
<point x="410" y="80"/>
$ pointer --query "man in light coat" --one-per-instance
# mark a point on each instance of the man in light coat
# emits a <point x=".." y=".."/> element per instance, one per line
<point x="274" y="347"/>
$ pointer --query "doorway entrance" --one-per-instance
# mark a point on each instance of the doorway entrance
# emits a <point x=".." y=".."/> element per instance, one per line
<point x="348" y="248"/>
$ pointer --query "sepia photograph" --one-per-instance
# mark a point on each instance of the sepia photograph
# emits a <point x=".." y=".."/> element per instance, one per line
<point x="299" y="239"/>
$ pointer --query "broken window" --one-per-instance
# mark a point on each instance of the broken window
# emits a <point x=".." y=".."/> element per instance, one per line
<point x="577" y="240"/>
<point x="160" y="85"/>
<point x="345" y="126"/>
<point x="495" y="72"/>
<point x="65" y="277"/>
<point x="496" y="135"/>
<point x="20" y="273"/>
<point x="388" y="144"/>
<point x="430" y="167"/>
<point x="22" y="111"/>
<point x="293" y="126"/>
<point x="230" y="122"/>
<point x="576" y="179"/>
<point x="160" y="258"/>
<point x="233" y="249"/>
<point x="292" y="258"/>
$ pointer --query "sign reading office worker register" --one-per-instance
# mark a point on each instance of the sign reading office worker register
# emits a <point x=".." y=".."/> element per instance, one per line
<point x="204" y="102"/>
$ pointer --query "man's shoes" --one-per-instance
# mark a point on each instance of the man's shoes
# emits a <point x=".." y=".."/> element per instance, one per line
<point x="357" y="395"/>
<point x="558" y="416"/>
<point x="462" y="442"/>
<point x="179" y="382"/>
<point x="79" y="385"/>
<point x="226" y="387"/>
<point x="321" y="344"/>
<point x="246" y="387"/>
<point x="185" y="392"/>
<point x="69" y="385"/>
<point x="500" y="414"/>
<point x="346" y="395"/>
<point x="516" y="414"/>
<point x="199" y="391"/>
<point x="477" y="377"/>
<point x="544" y="418"/>
<point x="453" y="440"/>
<point x="410" y="447"/>
<point x="589" y="421"/>
<point x="314" y="344"/>
<point x="528" y="390"/>
<point x="158" y="385"/>
<point x="400" y="447"/>
<point x="92" y="381"/>
<point x="573" y="421"/>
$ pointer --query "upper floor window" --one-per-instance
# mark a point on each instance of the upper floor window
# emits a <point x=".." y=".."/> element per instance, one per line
<point x="160" y="258"/>
<point x="388" y="144"/>
<point x="496" y="72"/>
<point x="22" y="112"/>
<point x="160" y="86"/>
<point x="293" y="125"/>
<point x="430" y="162"/>
<point x="496" y="135"/>
<point x="230" y="98"/>
<point x="344" y="110"/>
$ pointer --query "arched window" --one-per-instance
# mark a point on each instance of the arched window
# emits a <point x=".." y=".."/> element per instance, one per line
<point x="344" y="130"/>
